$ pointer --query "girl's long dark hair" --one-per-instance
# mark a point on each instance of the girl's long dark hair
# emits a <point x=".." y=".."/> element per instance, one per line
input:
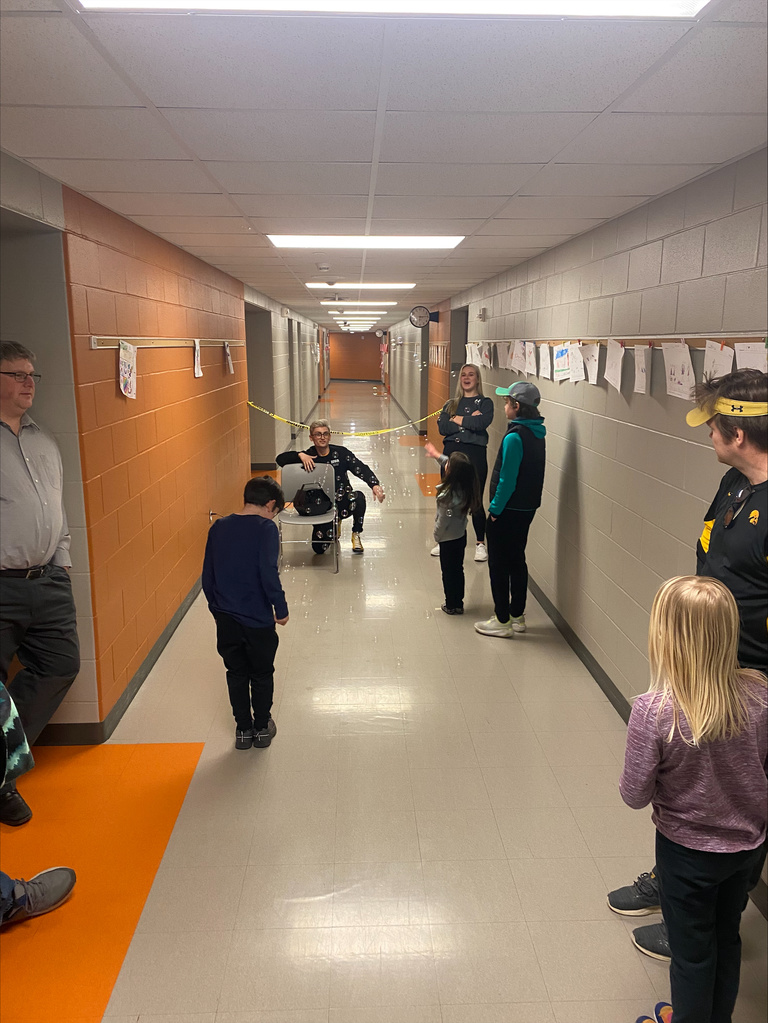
<point x="461" y="481"/>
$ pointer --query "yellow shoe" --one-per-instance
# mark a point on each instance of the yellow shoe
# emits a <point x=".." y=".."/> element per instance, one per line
<point x="357" y="544"/>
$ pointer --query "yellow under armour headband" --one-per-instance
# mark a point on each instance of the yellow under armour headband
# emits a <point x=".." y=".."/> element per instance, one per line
<point x="726" y="407"/>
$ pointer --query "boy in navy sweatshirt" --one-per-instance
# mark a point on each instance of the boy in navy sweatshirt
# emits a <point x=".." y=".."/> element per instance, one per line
<point x="242" y="586"/>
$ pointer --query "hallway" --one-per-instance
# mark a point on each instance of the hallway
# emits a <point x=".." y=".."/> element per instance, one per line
<point x="432" y="834"/>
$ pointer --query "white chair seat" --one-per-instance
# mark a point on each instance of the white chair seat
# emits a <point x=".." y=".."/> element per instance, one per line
<point x="293" y="477"/>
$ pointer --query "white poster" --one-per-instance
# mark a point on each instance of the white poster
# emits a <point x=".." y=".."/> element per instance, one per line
<point x="562" y="361"/>
<point x="678" y="370"/>
<point x="473" y="355"/>
<point x="530" y="358"/>
<point x="198" y="366"/>
<point x="504" y="354"/>
<point x="643" y="357"/>
<point x="577" y="362"/>
<point x="126" y="371"/>
<point x="752" y="355"/>
<point x="590" y="355"/>
<point x="613" y="363"/>
<point x="518" y="356"/>
<point x="718" y="359"/>
<point x="545" y="361"/>
<point x="228" y="357"/>
<point x="485" y="356"/>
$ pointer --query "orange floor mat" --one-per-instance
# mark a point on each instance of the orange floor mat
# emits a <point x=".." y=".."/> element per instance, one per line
<point x="108" y="812"/>
<point x="428" y="482"/>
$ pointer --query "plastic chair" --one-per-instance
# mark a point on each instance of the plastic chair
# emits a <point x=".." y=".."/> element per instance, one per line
<point x="295" y="476"/>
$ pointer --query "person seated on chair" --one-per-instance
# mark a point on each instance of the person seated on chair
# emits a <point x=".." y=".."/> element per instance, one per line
<point x="348" y="501"/>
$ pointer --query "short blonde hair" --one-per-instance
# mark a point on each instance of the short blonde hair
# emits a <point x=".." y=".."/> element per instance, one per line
<point x="322" y="423"/>
<point x="693" y="643"/>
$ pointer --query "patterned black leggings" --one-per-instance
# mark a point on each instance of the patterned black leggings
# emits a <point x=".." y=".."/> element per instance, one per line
<point x="351" y="504"/>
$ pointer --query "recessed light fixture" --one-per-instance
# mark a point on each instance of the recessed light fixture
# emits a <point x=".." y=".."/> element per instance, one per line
<point x="496" y="8"/>
<point x="365" y="241"/>
<point x="345" y="303"/>
<point x="366" y="312"/>
<point x="356" y="286"/>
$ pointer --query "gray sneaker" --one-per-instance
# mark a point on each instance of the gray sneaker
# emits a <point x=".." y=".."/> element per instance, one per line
<point x="243" y="738"/>
<point x="264" y="737"/>
<point x="638" y="899"/>
<point x="653" y="940"/>
<point x="42" y="893"/>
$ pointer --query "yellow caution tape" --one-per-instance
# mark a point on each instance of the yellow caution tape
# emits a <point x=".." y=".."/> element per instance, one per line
<point x="346" y="433"/>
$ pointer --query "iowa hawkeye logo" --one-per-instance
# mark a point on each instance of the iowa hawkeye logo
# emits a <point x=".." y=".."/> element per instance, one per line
<point x="754" y="516"/>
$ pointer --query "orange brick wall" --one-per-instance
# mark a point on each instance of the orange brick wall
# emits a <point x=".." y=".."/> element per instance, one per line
<point x="154" y="466"/>
<point x="439" y="382"/>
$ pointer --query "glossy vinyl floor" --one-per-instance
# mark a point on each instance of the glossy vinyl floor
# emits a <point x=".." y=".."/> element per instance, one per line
<point x="431" y="835"/>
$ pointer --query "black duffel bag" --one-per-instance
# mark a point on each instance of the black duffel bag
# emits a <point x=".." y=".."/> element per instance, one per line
<point x="311" y="499"/>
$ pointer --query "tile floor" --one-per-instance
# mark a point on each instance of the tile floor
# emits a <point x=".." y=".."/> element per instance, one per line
<point x="430" y="837"/>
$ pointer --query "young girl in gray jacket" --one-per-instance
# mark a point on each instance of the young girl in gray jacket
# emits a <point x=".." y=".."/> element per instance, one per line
<point x="458" y="496"/>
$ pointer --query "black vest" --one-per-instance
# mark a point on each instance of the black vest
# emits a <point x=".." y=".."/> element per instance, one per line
<point x="530" y="478"/>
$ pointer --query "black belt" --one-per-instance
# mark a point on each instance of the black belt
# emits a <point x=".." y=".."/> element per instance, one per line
<point x="24" y="573"/>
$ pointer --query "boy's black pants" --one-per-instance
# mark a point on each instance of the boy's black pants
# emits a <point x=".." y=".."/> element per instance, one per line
<point x="249" y="657"/>
<point x="507" y="537"/>
<point x="351" y="504"/>
<point x="452" y="567"/>
<point x="703" y="895"/>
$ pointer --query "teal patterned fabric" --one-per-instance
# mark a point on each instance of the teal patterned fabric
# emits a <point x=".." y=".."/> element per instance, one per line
<point x="17" y="759"/>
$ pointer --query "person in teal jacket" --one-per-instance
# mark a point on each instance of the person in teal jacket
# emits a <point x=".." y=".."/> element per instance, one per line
<point x="517" y="482"/>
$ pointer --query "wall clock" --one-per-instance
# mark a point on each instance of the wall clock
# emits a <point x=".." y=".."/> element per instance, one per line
<point x="419" y="316"/>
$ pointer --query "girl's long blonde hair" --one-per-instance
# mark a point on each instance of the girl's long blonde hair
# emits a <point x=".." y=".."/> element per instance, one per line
<point x="454" y="403"/>
<point x="693" y="644"/>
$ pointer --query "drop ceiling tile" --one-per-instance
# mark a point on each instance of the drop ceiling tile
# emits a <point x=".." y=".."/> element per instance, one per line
<point x="743" y="10"/>
<point x="309" y="225"/>
<point x="30" y="5"/>
<point x="446" y="179"/>
<point x="417" y="226"/>
<point x="211" y="240"/>
<point x="38" y="58"/>
<point x="248" y="62"/>
<point x="669" y="138"/>
<point x="721" y="70"/>
<point x="195" y="225"/>
<point x="508" y="66"/>
<point x="530" y="241"/>
<point x="165" y="204"/>
<point x="498" y="138"/>
<point x="436" y="206"/>
<point x="292" y="178"/>
<point x="305" y="206"/>
<point x="126" y="175"/>
<point x="568" y="206"/>
<point x="554" y="226"/>
<point x="637" y="180"/>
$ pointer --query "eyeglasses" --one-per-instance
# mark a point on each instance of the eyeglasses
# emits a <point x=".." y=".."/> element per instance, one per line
<point x="20" y="377"/>
<point x="742" y="496"/>
<point x="320" y="433"/>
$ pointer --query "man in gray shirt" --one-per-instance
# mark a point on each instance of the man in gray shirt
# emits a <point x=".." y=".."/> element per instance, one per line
<point x="37" y="610"/>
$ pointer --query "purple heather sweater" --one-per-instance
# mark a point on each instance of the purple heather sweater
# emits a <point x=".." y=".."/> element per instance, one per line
<point x="714" y="797"/>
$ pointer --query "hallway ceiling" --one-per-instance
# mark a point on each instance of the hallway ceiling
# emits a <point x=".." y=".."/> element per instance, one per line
<point x="212" y="130"/>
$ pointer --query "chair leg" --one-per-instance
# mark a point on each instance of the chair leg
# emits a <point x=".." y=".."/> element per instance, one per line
<point x="280" y="551"/>
<point x="336" y="545"/>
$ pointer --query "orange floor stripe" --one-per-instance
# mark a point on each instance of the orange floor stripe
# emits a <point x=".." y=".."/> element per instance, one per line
<point x="108" y="812"/>
<point x="428" y="482"/>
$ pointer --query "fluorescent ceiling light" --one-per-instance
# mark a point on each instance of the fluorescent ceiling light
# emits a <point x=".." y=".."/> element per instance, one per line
<point x="346" y="303"/>
<point x="364" y="312"/>
<point x="364" y="241"/>
<point x="356" y="286"/>
<point x="557" y="8"/>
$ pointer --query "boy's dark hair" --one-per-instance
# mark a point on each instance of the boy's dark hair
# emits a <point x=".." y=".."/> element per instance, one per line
<point x="746" y="385"/>
<point x="261" y="490"/>
<point x="461" y="480"/>
<point x="526" y="411"/>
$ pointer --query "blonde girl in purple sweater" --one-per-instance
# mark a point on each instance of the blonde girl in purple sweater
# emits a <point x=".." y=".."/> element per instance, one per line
<point x="697" y="750"/>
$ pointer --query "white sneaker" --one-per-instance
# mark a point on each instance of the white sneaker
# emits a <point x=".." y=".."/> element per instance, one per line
<point x="518" y="624"/>
<point x="481" y="552"/>
<point x="435" y="552"/>
<point x="493" y="627"/>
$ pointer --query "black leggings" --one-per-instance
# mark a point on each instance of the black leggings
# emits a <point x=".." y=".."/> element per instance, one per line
<point x="477" y="454"/>
<point x="351" y="504"/>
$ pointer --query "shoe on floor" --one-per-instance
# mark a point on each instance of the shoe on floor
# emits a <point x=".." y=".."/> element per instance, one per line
<point x="493" y="627"/>
<point x="357" y="544"/>
<point x="518" y="624"/>
<point x="320" y="548"/>
<point x="452" y="610"/>
<point x="42" y="893"/>
<point x="264" y="737"/>
<point x="481" y="552"/>
<point x="435" y="552"/>
<point x="13" y="807"/>
<point x="663" y="1012"/>
<point x="243" y="738"/>
<point x="638" y="899"/>
<point x="652" y="941"/>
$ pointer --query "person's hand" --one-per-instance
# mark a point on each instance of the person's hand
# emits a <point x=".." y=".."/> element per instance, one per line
<point x="378" y="493"/>
<point x="477" y="412"/>
<point x="430" y="450"/>
<point x="457" y="420"/>
<point x="491" y="518"/>
<point x="282" y="621"/>
<point x="307" y="461"/>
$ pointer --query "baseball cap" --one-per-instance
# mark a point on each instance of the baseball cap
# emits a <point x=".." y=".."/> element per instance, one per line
<point x="726" y="407"/>
<point x="522" y="391"/>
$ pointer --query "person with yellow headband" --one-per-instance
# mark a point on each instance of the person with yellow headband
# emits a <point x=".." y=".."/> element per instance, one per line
<point x="733" y="548"/>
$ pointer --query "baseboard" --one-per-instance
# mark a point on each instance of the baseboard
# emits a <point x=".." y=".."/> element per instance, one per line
<point x="91" y="733"/>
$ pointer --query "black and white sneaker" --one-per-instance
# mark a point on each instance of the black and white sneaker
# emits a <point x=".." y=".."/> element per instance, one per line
<point x="638" y="899"/>
<point x="653" y="940"/>
<point x="264" y="736"/>
<point x="243" y="738"/>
